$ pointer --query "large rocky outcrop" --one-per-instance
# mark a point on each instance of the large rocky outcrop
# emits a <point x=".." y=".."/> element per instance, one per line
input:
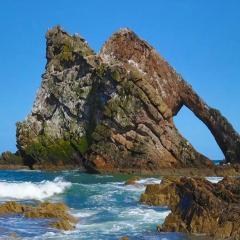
<point x="198" y="206"/>
<point x="113" y="111"/>
<point x="57" y="128"/>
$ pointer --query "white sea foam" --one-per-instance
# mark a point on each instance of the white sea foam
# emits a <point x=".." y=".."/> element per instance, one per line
<point x="145" y="215"/>
<point x="214" y="179"/>
<point x="30" y="190"/>
<point x="149" y="181"/>
<point x="129" y="219"/>
<point x="104" y="176"/>
<point x="83" y="213"/>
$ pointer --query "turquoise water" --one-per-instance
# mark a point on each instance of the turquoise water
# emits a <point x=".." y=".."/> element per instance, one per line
<point x="106" y="208"/>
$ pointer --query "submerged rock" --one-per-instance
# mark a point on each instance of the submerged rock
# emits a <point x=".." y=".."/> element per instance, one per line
<point x="198" y="206"/>
<point x="62" y="225"/>
<point x="113" y="111"/>
<point x="133" y="180"/>
<point x="59" y="212"/>
<point x="13" y="236"/>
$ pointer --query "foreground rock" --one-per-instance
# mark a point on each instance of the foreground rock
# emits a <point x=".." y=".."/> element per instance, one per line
<point x="113" y="111"/>
<point x="198" y="206"/>
<point x="57" y="211"/>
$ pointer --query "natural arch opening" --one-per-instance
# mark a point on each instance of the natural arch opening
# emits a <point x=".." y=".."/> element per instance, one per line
<point x="196" y="132"/>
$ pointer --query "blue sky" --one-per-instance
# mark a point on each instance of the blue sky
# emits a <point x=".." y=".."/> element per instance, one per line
<point x="201" y="39"/>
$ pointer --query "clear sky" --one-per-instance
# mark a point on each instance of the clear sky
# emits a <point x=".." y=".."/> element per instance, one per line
<point x="201" y="39"/>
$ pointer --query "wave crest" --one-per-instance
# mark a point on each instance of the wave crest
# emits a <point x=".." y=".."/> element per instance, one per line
<point x="30" y="190"/>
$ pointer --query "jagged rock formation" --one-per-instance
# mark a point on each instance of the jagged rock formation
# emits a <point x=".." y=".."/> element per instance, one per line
<point x="113" y="111"/>
<point x="198" y="206"/>
<point x="57" y="128"/>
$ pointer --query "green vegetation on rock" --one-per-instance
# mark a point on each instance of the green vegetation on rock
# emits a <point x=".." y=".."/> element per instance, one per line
<point x="66" y="54"/>
<point x="82" y="144"/>
<point x="46" y="151"/>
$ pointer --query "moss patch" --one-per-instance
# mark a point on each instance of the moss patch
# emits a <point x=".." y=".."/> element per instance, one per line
<point x="82" y="144"/>
<point x="46" y="151"/>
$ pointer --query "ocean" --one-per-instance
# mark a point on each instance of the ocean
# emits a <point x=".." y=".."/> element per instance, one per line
<point x="107" y="209"/>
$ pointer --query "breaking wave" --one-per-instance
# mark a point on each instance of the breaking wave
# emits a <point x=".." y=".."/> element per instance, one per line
<point x="30" y="190"/>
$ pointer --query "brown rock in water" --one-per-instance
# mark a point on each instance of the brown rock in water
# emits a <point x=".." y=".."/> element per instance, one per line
<point x="113" y="111"/>
<point x="57" y="211"/>
<point x="13" y="236"/>
<point x="51" y="210"/>
<point x="133" y="180"/>
<point x="63" y="225"/>
<point x="198" y="206"/>
<point x="12" y="207"/>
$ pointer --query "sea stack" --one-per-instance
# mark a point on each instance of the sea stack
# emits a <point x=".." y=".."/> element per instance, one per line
<point x="113" y="111"/>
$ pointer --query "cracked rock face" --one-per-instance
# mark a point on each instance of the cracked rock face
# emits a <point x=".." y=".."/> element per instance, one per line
<point x="113" y="111"/>
<point x="198" y="206"/>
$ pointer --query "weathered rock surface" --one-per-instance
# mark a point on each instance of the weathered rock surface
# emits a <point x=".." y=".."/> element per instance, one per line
<point x="113" y="111"/>
<point x="56" y="211"/>
<point x="198" y="206"/>
<point x="56" y="131"/>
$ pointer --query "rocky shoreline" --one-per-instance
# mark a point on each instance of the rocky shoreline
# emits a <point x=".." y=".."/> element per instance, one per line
<point x="7" y="162"/>
<point x="198" y="206"/>
<point x="112" y="112"/>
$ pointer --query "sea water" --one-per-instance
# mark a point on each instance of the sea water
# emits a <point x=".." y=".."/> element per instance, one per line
<point x="106" y="208"/>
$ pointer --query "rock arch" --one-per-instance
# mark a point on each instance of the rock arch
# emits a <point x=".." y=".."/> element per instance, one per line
<point x="225" y="135"/>
<point x="196" y="132"/>
<point x="113" y="111"/>
<point x="128" y="48"/>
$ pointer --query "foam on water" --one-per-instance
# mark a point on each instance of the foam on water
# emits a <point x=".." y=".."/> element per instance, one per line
<point x="145" y="215"/>
<point x="30" y="190"/>
<point x="125" y="220"/>
<point x="214" y="179"/>
<point x="149" y="181"/>
<point x="115" y="209"/>
<point x="107" y="208"/>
